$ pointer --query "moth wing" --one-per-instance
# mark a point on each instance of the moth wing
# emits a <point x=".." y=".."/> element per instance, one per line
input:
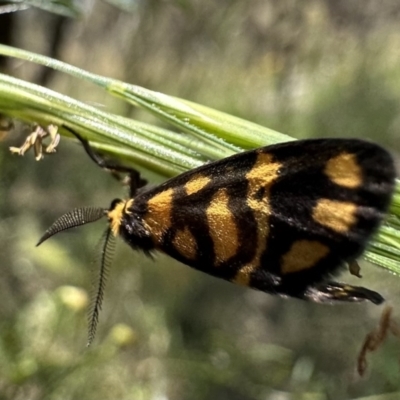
<point x="284" y="215"/>
<point x="329" y="200"/>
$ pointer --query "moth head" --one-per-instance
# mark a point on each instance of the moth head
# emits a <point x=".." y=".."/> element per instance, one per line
<point x="117" y="211"/>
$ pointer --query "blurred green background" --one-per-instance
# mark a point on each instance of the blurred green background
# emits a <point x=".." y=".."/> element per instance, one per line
<point x="319" y="68"/>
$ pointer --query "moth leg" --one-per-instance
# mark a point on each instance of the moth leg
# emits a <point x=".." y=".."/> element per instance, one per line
<point x="134" y="179"/>
<point x="333" y="291"/>
<point x="354" y="268"/>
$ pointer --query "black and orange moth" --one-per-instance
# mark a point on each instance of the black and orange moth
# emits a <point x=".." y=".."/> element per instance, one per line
<point x="283" y="219"/>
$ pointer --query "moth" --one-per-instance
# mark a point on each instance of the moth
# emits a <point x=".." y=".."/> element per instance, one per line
<point x="283" y="219"/>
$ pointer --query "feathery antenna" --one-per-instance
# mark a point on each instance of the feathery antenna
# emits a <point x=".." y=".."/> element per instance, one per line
<point x="76" y="217"/>
<point x="107" y="244"/>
